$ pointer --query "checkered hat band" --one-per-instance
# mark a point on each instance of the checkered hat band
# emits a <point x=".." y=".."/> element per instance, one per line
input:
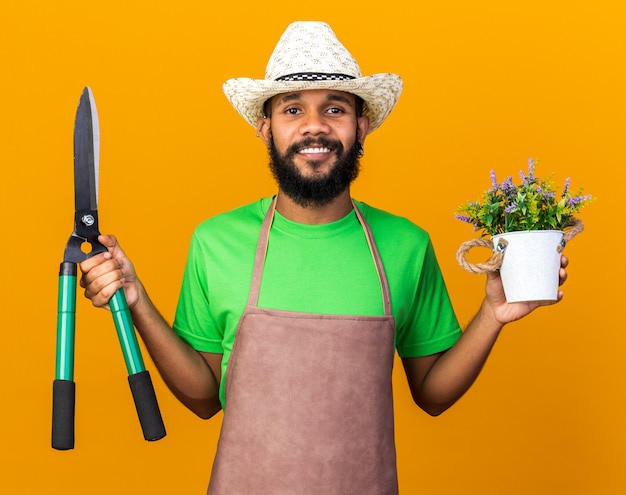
<point x="315" y="76"/>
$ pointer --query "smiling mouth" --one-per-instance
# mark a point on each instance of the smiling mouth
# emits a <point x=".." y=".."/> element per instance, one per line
<point x="313" y="150"/>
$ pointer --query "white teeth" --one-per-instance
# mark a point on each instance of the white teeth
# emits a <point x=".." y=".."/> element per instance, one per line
<point x="315" y="150"/>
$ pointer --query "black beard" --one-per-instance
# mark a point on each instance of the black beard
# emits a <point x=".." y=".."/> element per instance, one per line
<point x="315" y="192"/>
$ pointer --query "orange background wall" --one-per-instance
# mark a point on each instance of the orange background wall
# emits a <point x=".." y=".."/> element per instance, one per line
<point x="488" y="84"/>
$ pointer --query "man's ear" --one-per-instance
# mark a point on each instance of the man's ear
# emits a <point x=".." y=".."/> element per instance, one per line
<point x="363" y="127"/>
<point x="263" y="130"/>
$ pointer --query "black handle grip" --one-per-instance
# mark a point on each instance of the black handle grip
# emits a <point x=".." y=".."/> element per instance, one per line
<point x="63" y="409"/>
<point x="147" y="406"/>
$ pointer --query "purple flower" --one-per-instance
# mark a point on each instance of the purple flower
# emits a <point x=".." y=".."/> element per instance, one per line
<point x="510" y="208"/>
<point x="547" y="194"/>
<point x="494" y="182"/>
<point x="531" y="168"/>
<point x="566" y="186"/>
<point x="508" y="187"/>
<point x="577" y="200"/>
<point x="463" y="218"/>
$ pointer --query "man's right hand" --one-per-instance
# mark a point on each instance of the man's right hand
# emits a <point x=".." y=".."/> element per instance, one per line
<point x="105" y="273"/>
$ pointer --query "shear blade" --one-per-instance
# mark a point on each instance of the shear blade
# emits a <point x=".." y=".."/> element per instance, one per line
<point x="86" y="153"/>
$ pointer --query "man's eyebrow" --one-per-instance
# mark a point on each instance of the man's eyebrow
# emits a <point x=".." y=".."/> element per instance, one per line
<point x="290" y="97"/>
<point x="331" y="97"/>
<point x="340" y="98"/>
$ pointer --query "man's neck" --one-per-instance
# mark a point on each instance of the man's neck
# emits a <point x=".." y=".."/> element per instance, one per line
<point x="314" y="215"/>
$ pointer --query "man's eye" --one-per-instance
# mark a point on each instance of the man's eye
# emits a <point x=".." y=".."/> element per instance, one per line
<point x="291" y="111"/>
<point x="335" y="110"/>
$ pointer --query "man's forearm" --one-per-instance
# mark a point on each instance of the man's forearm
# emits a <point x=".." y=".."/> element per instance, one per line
<point x="183" y="369"/>
<point x="455" y="370"/>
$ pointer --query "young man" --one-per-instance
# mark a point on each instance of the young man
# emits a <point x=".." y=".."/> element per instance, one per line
<point x="292" y="307"/>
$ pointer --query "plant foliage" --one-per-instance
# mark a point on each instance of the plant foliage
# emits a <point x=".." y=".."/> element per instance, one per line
<point x="532" y="205"/>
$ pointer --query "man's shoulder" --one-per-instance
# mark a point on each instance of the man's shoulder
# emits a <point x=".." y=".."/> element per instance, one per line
<point x="248" y="216"/>
<point x="391" y="224"/>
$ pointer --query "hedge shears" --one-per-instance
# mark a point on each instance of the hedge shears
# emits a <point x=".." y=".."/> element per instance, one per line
<point x="83" y="244"/>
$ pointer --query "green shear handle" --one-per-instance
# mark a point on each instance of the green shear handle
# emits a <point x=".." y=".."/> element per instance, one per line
<point x="138" y="377"/>
<point x="64" y="388"/>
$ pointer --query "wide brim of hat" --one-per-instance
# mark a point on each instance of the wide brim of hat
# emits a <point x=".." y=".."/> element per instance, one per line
<point x="380" y="92"/>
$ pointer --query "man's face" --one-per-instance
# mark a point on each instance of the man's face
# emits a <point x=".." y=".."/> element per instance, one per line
<point x="314" y="138"/>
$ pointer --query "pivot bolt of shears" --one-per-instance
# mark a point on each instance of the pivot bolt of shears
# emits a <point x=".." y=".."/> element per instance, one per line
<point x="88" y="220"/>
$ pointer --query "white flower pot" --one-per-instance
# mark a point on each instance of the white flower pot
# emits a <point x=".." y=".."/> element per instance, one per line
<point x="531" y="263"/>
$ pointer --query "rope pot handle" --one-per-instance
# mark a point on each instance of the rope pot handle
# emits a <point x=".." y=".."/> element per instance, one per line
<point x="493" y="264"/>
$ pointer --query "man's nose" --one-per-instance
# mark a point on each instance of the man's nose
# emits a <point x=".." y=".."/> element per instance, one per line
<point x="315" y="123"/>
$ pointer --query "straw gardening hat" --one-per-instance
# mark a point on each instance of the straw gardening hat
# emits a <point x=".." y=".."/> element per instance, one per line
<point x="309" y="56"/>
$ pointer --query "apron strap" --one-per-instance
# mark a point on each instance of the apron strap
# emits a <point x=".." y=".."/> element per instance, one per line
<point x="261" y="252"/>
<point x="382" y="277"/>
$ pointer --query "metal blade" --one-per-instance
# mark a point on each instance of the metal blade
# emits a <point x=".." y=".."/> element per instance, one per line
<point x="83" y="243"/>
<point x="86" y="153"/>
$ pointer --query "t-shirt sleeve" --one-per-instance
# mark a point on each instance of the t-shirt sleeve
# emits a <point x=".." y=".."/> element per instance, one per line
<point x="194" y="322"/>
<point x="431" y="325"/>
